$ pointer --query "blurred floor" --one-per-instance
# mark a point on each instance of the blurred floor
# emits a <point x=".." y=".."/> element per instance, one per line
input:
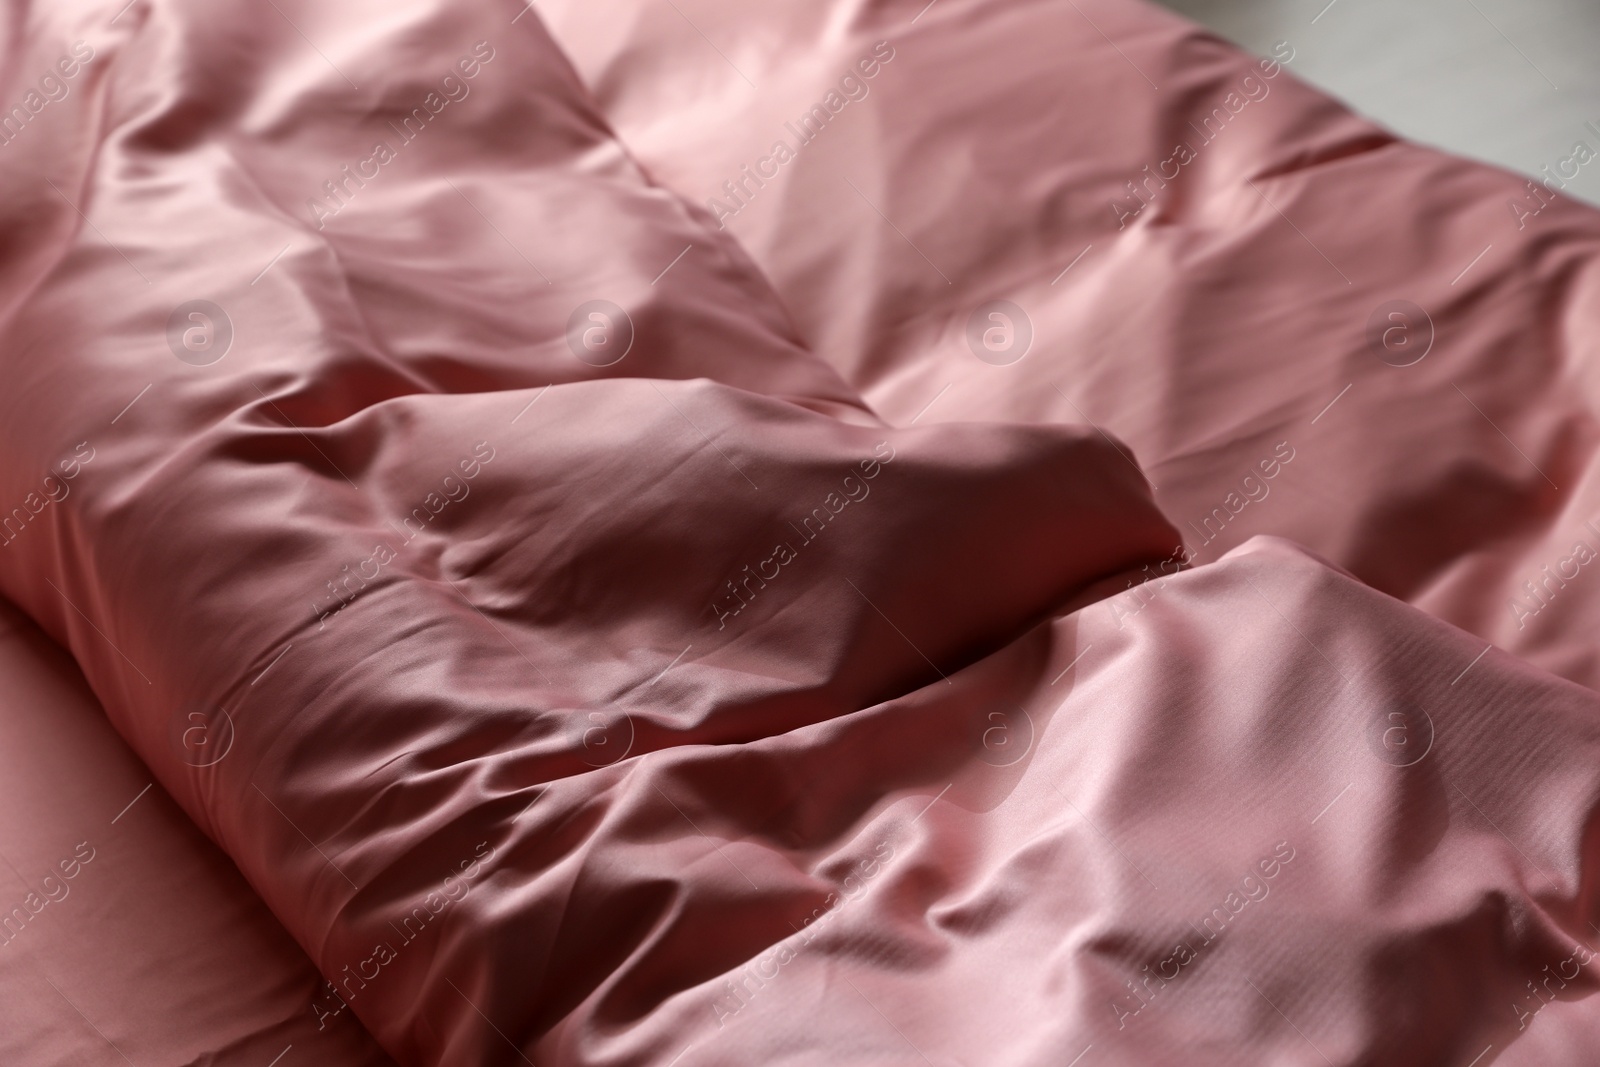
<point x="1512" y="82"/>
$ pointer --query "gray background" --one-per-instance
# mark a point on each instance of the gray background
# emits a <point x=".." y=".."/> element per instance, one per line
<point x="1511" y="82"/>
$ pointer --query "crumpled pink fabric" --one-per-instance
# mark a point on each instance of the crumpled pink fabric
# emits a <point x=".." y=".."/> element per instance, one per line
<point x="1210" y="256"/>
<point x="118" y="919"/>
<point x="672" y="707"/>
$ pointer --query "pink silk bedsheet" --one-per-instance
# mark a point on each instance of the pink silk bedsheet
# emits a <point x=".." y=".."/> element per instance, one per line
<point x="1206" y="254"/>
<point x="123" y="931"/>
<point x="609" y="683"/>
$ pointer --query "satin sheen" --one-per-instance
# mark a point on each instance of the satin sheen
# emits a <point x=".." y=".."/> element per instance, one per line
<point x="709" y="705"/>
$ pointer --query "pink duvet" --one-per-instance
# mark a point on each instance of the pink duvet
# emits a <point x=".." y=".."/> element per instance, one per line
<point x="609" y="630"/>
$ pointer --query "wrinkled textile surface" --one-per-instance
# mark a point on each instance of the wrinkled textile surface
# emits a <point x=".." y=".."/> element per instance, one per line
<point x="1200" y="245"/>
<point x="123" y="931"/>
<point x="519" y="580"/>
